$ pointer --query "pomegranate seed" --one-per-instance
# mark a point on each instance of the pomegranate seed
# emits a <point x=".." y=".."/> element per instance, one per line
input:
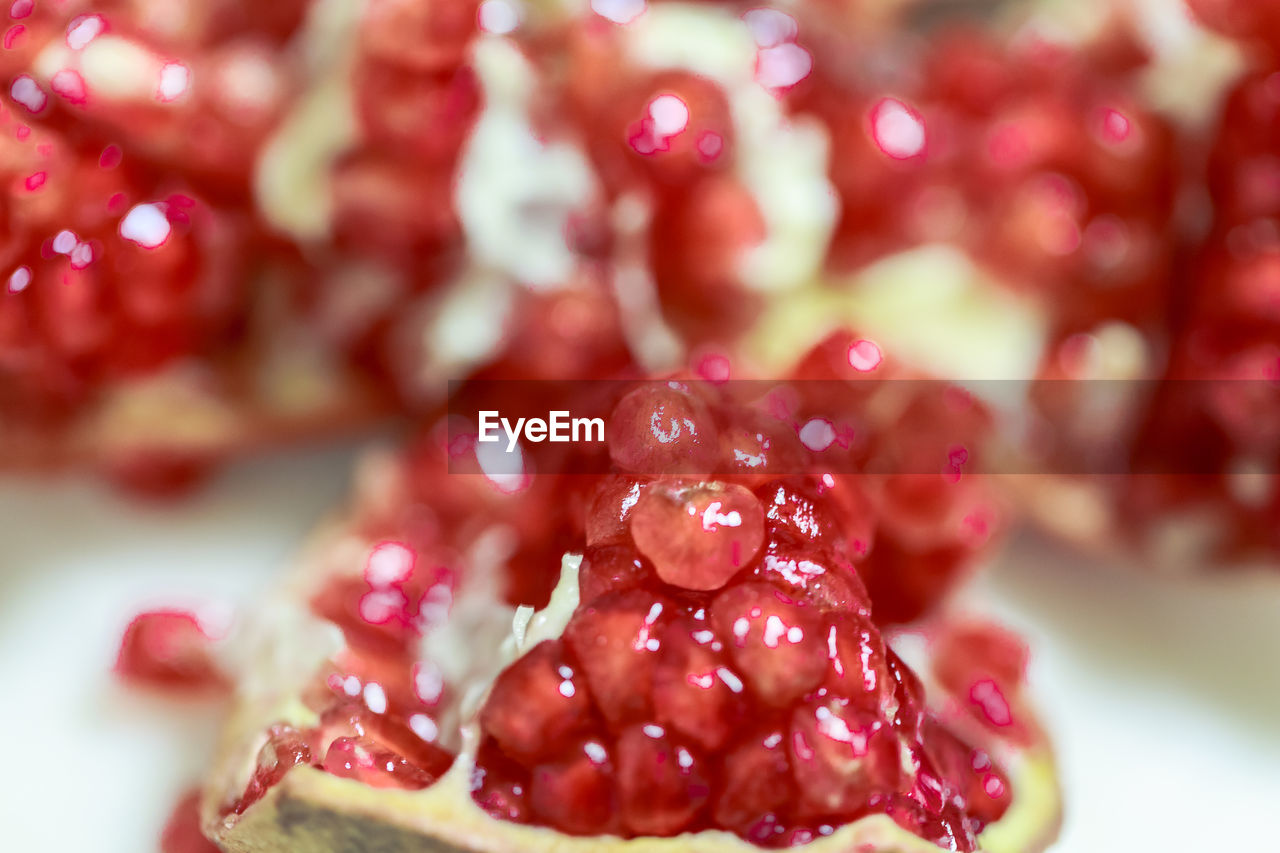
<point x="609" y="516"/>
<point x="617" y="638"/>
<point x="908" y="693"/>
<point x="182" y="833"/>
<point x="661" y="785"/>
<point x="758" y="447"/>
<point x="984" y="667"/>
<point x="662" y="429"/>
<point x="984" y="787"/>
<point x="536" y="703"/>
<point x="795" y="516"/>
<point x="859" y="671"/>
<point x="168" y="648"/>
<point x="777" y="644"/>
<point x="366" y="761"/>
<point x="499" y="786"/>
<point x="377" y="621"/>
<point x="696" y="692"/>
<point x="611" y="569"/>
<point x="758" y="789"/>
<point x="811" y="575"/>
<point x="947" y="828"/>
<point x="841" y="756"/>
<point x="575" y="794"/>
<point x="698" y="536"/>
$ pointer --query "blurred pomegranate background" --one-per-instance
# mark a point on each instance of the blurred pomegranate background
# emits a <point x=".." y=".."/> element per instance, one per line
<point x="248" y="251"/>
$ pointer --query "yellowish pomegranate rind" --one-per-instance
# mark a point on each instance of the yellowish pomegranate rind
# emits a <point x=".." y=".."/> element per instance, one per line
<point x="314" y="812"/>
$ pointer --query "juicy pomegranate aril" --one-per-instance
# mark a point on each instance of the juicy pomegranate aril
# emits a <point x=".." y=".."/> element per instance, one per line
<point x="168" y="649"/>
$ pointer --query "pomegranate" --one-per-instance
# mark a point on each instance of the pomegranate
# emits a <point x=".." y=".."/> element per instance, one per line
<point x="194" y="90"/>
<point x="701" y="664"/>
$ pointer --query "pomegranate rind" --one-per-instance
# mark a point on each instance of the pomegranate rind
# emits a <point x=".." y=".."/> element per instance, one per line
<point x="313" y="812"/>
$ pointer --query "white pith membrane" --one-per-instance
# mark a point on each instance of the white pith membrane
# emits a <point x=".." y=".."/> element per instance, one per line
<point x="312" y="810"/>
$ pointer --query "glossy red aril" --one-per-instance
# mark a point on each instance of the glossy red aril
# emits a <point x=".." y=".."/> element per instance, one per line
<point x="841" y="753"/>
<point x="758" y="790"/>
<point x="777" y="643"/>
<point x="576" y="793"/>
<point x="662" y="786"/>
<point x="836" y="515"/>
<point x="617" y="638"/>
<point x="983" y="786"/>
<point x="813" y="576"/>
<point x="499" y="785"/>
<point x="698" y="243"/>
<point x="661" y="429"/>
<point x="612" y="568"/>
<point x="170" y="649"/>
<point x="698" y="535"/>
<point x="369" y="762"/>
<point x="609" y="514"/>
<point x="537" y="703"/>
<point x="859" y="669"/>
<point x="697" y="694"/>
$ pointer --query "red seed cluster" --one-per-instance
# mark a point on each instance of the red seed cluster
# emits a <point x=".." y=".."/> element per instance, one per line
<point x="723" y="669"/>
<point x="109" y="271"/>
<point x="1039" y="161"/>
<point x="1216" y="423"/>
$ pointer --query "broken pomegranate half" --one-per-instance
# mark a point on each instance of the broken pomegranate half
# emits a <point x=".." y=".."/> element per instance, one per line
<point x="706" y="675"/>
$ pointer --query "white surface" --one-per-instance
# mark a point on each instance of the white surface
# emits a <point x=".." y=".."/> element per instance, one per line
<point x="1164" y="696"/>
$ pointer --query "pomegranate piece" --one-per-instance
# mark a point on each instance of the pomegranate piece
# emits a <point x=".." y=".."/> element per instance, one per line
<point x="536" y="703"/>
<point x="698" y="535"/>
<point x="778" y="644"/>
<point x="662" y="429"/>
<point x="181" y="833"/>
<point x="380" y="621"/>
<point x="841" y="754"/>
<point x="170" y="649"/>
<point x="575" y="794"/>
<point x="696" y="692"/>
<point x="661" y="785"/>
<point x="367" y="761"/>
<point x="617" y="638"/>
